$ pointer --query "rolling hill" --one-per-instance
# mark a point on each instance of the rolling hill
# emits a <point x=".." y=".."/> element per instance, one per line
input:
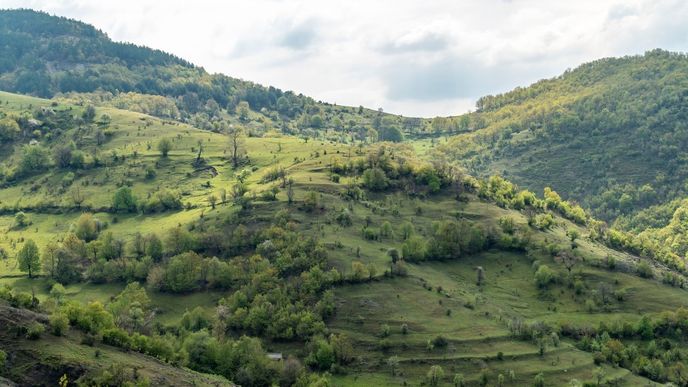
<point x="144" y="241"/>
<point x="326" y="235"/>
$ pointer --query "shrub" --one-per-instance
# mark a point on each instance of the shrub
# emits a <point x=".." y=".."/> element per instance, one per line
<point x="539" y="380"/>
<point x="124" y="200"/>
<point x="375" y="179"/>
<point x="435" y="375"/>
<point x="644" y="270"/>
<point x="35" y="330"/>
<point x="414" y="249"/>
<point x="344" y="218"/>
<point x="116" y="337"/>
<point x="440" y="342"/>
<point x="385" y="330"/>
<point x="59" y="323"/>
<point x="544" y="276"/>
<point x="20" y="220"/>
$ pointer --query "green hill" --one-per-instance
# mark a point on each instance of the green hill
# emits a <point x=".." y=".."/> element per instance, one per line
<point x="608" y="134"/>
<point x="44" y="55"/>
<point x="309" y="267"/>
<point x="154" y="229"/>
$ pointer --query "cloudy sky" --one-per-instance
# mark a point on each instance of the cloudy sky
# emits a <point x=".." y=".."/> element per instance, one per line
<point x="414" y="57"/>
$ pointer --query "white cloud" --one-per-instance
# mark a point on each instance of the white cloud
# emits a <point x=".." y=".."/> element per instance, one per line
<point x="410" y="57"/>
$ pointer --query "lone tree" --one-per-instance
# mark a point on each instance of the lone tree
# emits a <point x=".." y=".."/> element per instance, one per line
<point x="480" y="272"/>
<point x="77" y="196"/>
<point x="20" y="220"/>
<point x="290" y="190"/>
<point x="124" y="200"/>
<point x="237" y="143"/>
<point x="243" y="110"/>
<point x="435" y="374"/>
<point x="459" y="380"/>
<point x="568" y="259"/>
<point x="165" y="146"/>
<point x="394" y="255"/>
<point x="393" y="363"/>
<point x="28" y="257"/>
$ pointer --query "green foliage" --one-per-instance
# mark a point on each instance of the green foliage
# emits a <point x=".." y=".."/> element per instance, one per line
<point x="452" y="239"/>
<point x="544" y="276"/>
<point x="375" y="179"/>
<point x="87" y="227"/>
<point x="644" y="269"/>
<point x="29" y="258"/>
<point x="322" y="355"/>
<point x="20" y="220"/>
<point x="164" y="146"/>
<point x="59" y="323"/>
<point x="9" y="129"/>
<point x="57" y="292"/>
<point x="311" y="202"/>
<point x="34" y="159"/>
<point x="131" y="308"/>
<point x="124" y="200"/>
<point x="435" y="375"/>
<point x="161" y="200"/>
<point x="182" y="273"/>
<point x="603" y="111"/>
<point x="34" y="330"/>
<point x="195" y="320"/>
<point x="414" y="249"/>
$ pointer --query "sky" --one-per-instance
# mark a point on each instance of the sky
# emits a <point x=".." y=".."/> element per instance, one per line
<point x="411" y="57"/>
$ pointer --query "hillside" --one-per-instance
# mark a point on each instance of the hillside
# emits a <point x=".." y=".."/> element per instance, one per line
<point x="608" y="134"/>
<point x="356" y="262"/>
<point x="44" y="55"/>
<point x="162" y="225"/>
<point x="69" y="357"/>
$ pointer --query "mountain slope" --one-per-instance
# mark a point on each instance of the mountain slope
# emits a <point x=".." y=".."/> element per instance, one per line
<point x="44" y="55"/>
<point x="608" y="134"/>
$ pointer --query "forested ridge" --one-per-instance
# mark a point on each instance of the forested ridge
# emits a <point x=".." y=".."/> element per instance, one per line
<point x="609" y="134"/>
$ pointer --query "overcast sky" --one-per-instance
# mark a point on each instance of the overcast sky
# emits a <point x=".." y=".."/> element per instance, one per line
<point x="413" y="57"/>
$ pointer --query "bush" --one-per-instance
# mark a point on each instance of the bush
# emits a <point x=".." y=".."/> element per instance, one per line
<point x="59" y="323"/>
<point x="322" y="355"/>
<point x="344" y="218"/>
<point x="375" y="179"/>
<point x="385" y="330"/>
<point x="544" y="276"/>
<point x="116" y="337"/>
<point x="162" y="200"/>
<point x="414" y="249"/>
<point x="124" y="200"/>
<point x="35" y="330"/>
<point x="440" y="342"/>
<point x="644" y="270"/>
